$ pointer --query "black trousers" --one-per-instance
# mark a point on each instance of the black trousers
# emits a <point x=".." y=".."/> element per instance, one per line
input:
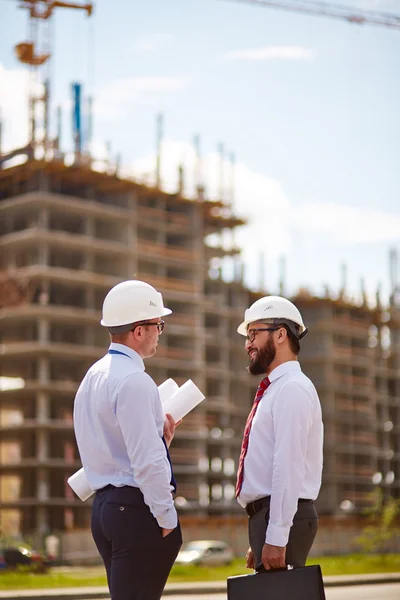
<point x="136" y="556"/>
<point x="301" y="536"/>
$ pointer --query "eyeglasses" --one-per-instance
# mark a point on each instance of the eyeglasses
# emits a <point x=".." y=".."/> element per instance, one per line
<point x="251" y="335"/>
<point x="159" y="325"/>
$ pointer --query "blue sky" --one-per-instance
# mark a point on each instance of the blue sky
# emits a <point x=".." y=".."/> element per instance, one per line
<point x="309" y="106"/>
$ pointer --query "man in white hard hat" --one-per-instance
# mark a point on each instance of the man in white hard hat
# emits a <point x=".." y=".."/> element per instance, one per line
<point x="123" y="443"/>
<point x="280" y="464"/>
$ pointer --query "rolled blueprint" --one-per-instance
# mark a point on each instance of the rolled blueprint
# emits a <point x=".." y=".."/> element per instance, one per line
<point x="80" y="485"/>
<point x="167" y="389"/>
<point x="183" y="401"/>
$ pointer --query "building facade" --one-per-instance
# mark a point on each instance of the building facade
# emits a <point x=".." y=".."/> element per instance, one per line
<point x="67" y="235"/>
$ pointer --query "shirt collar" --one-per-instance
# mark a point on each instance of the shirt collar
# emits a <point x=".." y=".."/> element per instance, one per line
<point x="286" y="367"/>
<point x="138" y="360"/>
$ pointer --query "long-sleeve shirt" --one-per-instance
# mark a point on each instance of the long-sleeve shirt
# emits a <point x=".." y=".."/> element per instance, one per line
<point x="284" y="455"/>
<point x="118" y="421"/>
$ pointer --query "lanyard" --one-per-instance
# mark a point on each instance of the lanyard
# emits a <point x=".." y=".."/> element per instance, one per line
<point x="173" y="482"/>
<point x="118" y="352"/>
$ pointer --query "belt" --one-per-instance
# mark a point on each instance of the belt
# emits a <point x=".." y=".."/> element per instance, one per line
<point x="107" y="487"/>
<point x="253" y="507"/>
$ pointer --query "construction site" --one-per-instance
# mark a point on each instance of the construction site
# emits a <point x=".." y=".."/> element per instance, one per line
<point x="67" y="235"/>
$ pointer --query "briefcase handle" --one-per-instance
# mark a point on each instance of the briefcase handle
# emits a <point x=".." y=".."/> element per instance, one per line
<point x="261" y="569"/>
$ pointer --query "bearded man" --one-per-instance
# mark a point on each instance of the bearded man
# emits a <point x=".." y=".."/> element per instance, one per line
<point x="280" y="465"/>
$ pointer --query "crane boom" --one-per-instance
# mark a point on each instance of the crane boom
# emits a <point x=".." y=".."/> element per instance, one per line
<point x="335" y="11"/>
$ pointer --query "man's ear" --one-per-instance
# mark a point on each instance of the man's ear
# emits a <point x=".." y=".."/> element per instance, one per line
<point x="281" y="335"/>
<point x="137" y="332"/>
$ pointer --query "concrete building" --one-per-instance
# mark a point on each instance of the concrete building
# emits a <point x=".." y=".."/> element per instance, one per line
<point x="352" y="355"/>
<point x="67" y="235"/>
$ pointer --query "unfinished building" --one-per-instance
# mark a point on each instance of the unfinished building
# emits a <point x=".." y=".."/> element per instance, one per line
<point x="352" y="354"/>
<point x="67" y="235"/>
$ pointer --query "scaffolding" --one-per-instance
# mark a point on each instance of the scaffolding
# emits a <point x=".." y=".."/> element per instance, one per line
<point x="352" y="355"/>
<point x="67" y="235"/>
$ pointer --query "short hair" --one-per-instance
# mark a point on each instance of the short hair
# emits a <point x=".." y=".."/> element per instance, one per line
<point x="119" y="329"/>
<point x="119" y="338"/>
<point x="294" y="343"/>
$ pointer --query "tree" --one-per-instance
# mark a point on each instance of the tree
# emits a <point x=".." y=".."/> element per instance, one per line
<point x="383" y="525"/>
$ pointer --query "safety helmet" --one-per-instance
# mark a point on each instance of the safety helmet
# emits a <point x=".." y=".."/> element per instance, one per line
<point x="277" y="310"/>
<point x="129" y="302"/>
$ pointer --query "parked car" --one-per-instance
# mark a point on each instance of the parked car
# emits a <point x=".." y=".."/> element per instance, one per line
<point x="205" y="552"/>
<point x="14" y="556"/>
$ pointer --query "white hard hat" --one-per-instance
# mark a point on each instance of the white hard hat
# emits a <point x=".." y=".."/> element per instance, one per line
<point x="277" y="309"/>
<point x="132" y="301"/>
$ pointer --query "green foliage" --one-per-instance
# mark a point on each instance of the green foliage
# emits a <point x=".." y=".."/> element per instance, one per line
<point x="62" y="577"/>
<point x="35" y="567"/>
<point x="357" y="564"/>
<point x="383" y="525"/>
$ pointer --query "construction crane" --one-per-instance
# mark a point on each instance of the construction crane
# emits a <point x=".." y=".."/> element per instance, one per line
<point x="335" y="11"/>
<point x="28" y="52"/>
<point x="42" y="9"/>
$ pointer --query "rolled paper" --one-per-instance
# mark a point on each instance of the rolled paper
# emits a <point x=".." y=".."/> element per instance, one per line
<point x="80" y="485"/>
<point x="183" y="401"/>
<point x="167" y="389"/>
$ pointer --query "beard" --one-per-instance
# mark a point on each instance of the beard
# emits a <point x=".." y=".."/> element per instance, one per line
<point x="261" y="363"/>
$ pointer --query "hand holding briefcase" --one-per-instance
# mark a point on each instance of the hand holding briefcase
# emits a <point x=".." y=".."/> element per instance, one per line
<point x="301" y="583"/>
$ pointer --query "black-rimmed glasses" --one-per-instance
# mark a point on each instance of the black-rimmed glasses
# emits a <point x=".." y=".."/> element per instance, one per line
<point x="251" y="334"/>
<point x="159" y="325"/>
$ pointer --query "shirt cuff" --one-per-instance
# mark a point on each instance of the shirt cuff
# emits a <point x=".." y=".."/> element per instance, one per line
<point x="277" y="535"/>
<point x="169" y="519"/>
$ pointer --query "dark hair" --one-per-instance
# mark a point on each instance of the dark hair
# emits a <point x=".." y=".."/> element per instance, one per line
<point x="119" y="338"/>
<point x="294" y="343"/>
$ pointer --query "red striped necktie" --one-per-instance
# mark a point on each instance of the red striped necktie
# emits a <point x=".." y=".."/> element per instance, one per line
<point x="245" y="443"/>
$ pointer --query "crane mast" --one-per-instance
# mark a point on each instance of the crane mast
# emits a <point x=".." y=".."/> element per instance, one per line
<point x="31" y="53"/>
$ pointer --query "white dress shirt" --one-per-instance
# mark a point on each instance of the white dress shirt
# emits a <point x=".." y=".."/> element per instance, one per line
<point x="119" y="423"/>
<point x="284" y="455"/>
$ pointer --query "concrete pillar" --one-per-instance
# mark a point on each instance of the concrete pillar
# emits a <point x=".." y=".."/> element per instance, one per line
<point x="197" y="223"/>
<point x="44" y="218"/>
<point x="89" y="231"/>
<point x="43" y="370"/>
<point x="162" y="268"/>
<point x="42" y="407"/>
<point x="43" y="330"/>
<point x="42" y="483"/>
<point x="89" y="227"/>
<point x="42" y="455"/>
<point x="42" y="452"/>
<point x="131" y="236"/>
<point x="42" y="522"/>
<point x="44" y="256"/>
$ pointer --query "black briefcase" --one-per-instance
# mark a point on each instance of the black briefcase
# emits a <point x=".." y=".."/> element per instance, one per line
<point x="302" y="583"/>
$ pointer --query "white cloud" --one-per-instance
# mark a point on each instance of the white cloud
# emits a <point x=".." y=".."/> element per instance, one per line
<point x="307" y="234"/>
<point x="257" y="198"/>
<point x="14" y="107"/>
<point x="272" y="217"/>
<point x="112" y="101"/>
<point x="272" y="53"/>
<point x="115" y="97"/>
<point x="347" y="224"/>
